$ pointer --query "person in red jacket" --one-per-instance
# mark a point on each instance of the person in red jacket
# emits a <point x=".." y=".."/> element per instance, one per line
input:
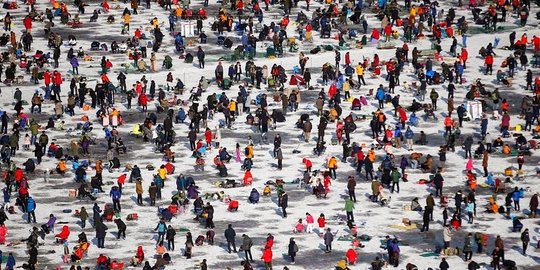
<point x="308" y="164"/>
<point x="488" y="61"/>
<point x="321" y="221"/>
<point x="63" y="235"/>
<point x="351" y="256"/>
<point x="347" y="58"/>
<point x="121" y="181"/>
<point x="464" y="57"/>
<point x="269" y="241"/>
<point x="57" y="82"/>
<point x="402" y="116"/>
<point x="267" y="258"/>
<point x="47" y="80"/>
<point x="208" y="137"/>
<point x="143" y="102"/>
<point x="27" y="23"/>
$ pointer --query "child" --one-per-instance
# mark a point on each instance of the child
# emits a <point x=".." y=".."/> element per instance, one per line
<point x="26" y="143"/>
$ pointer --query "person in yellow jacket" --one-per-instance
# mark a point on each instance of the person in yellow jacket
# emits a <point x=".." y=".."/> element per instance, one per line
<point x="127" y="21"/>
<point x="332" y="166"/>
<point x="360" y="73"/>
<point x="232" y="107"/>
<point x="162" y="172"/>
<point x="347" y="90"/>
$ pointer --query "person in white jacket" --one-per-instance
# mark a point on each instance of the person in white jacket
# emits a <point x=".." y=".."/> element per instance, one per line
<point x="447" y="236"/>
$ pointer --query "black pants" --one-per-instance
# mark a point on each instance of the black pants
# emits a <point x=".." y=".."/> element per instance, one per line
<point x="333" y="173"/>
<point x="350" y="216"/>
<point x="121" y="233"/>
<point x="516" y="205"/>
<point x="425" y="227"/>
<point x="438" y="191"/>
<point x="352" y="196"/>
<point x="329" y="247"/>
<point x="139" y="199"/>
<point x="170" y="244"/>
<point x="101" y="242"/>
<point x="525" y="244"/>
<point x="284" y="211"/>
<point x="248" y="254"/>
<point x="116" y="205"/>
<point x="395" y="184"/>
<point x="468" y="255"/>
<point x="32" y="215"/>
<point x="229" y="243"/>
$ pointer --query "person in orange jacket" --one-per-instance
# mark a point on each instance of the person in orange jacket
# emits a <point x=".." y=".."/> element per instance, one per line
<point x="448" y="124"/>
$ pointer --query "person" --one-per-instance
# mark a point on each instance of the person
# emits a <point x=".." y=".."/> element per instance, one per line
<point x="425" y="219"/>
<point x="351" y="184"/>
<point x="246" y="246"/>
<point x="467" y="247"/>
<point x="189" y="245"/>
<point x="121" y="225"/>
<point x="267" y="258"/>
<point x="444" y="264"/>
<point x="328" y="239"/>
<point x="447" y="236"/>
<point x="377" y="264"/>
<point x="169" y="235"/>
<point x="525" y="240"/>
<point x="230" y="235"/>
<point x="293" y="249"/>
<point x="349" y="207"/>
<point x="284" y="203"/>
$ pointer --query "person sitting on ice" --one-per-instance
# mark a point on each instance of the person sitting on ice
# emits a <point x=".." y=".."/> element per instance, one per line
<point x="254" y="196"/>
<point x="299" y="227"/>
<point x="415" y="205"/>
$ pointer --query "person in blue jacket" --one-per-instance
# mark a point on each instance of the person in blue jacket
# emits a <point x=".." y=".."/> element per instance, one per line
<point x="161" y="229"/>
<point x="409" y="135"/>
<point x="380" y="96"/>
<point x="10" y="264"/>
<point x="116" y="194"/>
<point x="30" y="209"/>
<point x="516" y="196"/>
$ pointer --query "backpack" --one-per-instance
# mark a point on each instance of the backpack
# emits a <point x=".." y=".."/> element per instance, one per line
<point x="246" y="151"/>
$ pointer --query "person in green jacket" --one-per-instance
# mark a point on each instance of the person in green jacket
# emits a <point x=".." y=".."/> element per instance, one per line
<point x="349" y="206"/>
<point x="395" y="175"/>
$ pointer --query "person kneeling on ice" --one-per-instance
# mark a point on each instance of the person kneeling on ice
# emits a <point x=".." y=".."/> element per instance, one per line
<point x="351" y="256"/>
<point x="299" y="227"/>
<point x="139" y="257"/>
<point x="233" y="206"/>
<point x="103" y="262"/>
<point x="254" y="196"/>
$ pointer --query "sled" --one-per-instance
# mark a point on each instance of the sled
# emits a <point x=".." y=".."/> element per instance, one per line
<point x="429" y="254"/>
<point x="404" y="227"/>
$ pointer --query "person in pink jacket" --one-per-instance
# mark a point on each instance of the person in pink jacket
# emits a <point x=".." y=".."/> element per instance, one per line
<point x="469" y="167"/>
<point x="310" y="221"/>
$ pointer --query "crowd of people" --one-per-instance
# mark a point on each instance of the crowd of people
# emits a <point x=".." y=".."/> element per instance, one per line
<point x="386" y="137"/>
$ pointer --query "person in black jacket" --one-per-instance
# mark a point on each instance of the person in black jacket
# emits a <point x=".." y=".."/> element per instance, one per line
<point x="425" y="219"/>
<point x="284" y="203"/>
<point x="525" y="240"/>
<point x="230" y="235"/>
<point x="101" y="232"/>
<point x="170" y="237"/>
<point x="32" y="260"/>
<point x="293" y="249"/>
<point x="438" y="181"/>
<point x="444" y="265"/>
<point x="121" y="228"/>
